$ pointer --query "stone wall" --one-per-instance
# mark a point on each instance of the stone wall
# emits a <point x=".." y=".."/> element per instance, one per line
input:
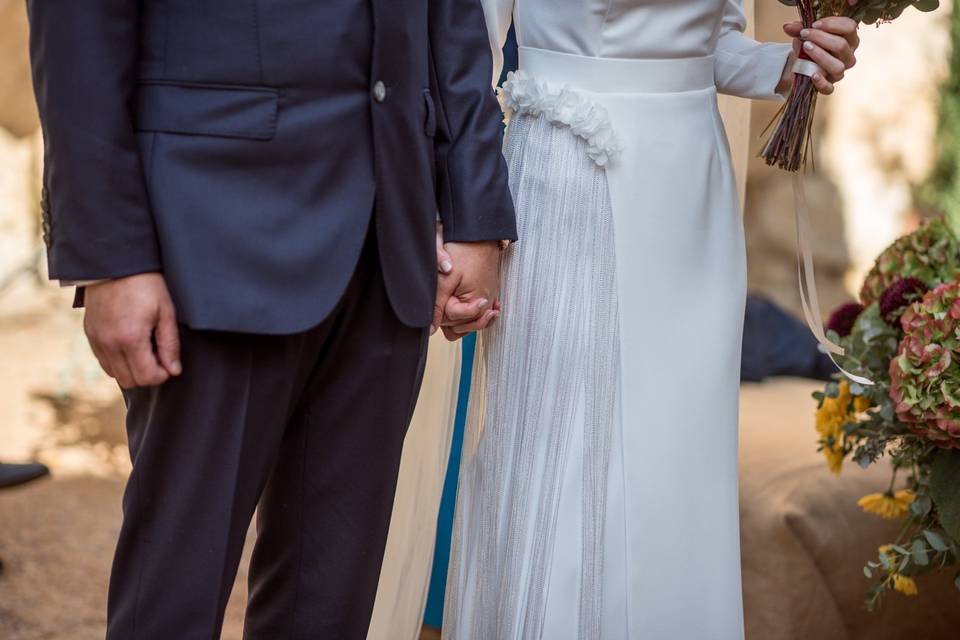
<point x="20" y="153"/>
<point x="18" y="113"/>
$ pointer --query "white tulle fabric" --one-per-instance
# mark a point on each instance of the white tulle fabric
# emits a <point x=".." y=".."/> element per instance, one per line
<point x="536" y="456"/>
<point x="564" y="107"/>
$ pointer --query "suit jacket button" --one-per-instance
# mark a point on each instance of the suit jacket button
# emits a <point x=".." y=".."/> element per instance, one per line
<point x="379" y="91"/>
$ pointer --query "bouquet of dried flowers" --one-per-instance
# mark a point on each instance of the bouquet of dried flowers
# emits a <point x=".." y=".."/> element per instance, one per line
<point x="788" y="145"/>
<point x="904" y="335"/>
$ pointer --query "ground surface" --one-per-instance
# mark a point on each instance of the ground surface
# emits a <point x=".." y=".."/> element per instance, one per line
<point x="57" y="535"/>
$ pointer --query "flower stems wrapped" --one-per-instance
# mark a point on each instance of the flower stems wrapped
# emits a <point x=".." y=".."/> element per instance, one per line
<point x="790" y="142"/>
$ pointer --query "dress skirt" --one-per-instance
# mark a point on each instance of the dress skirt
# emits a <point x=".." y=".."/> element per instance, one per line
<point x="598" y="489"/>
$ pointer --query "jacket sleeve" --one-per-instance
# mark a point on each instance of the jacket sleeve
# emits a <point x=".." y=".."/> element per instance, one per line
<point x="473" y="196"/>
<point x="745" y="67"/>
<point x="97" y="219"/>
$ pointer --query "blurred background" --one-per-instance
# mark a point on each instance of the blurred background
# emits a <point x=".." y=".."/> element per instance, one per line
<point x="880" y="168"/>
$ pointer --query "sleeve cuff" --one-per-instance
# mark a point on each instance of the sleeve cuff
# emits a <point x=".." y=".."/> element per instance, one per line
<point x="771" y="68"/>
<point x="81" y="283"/>
<point x="752" y="72"/>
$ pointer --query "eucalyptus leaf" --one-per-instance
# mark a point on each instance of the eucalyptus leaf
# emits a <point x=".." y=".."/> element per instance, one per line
<point x="867" y="573"/>
<point x="887" y="411"/>
<point x="927" y="5"/>
<point x="921" y="506"/>
<point x="904" y="563"/>
<point x="935" y="540"/>
<point x="919" y="552"/>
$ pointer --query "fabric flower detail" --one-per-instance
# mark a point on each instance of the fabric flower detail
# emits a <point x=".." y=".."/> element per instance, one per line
<point x="523" y="94"/>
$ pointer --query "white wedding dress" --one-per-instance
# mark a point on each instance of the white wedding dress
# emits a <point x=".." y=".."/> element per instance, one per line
<point x="598" y="492"/>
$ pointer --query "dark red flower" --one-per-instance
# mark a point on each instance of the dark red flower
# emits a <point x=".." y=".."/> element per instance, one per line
<point x="843" y="317"/>
<point x="896" y="297"/>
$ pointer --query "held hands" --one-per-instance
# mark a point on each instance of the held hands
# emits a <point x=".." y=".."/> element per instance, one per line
<point x="831" y="43"/>
<point x="132" y="327"/>
<point x="469" y="282"/>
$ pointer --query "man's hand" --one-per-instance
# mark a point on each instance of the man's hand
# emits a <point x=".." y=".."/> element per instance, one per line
<point x="132" y="327"/>
<point x="467" y="294"/>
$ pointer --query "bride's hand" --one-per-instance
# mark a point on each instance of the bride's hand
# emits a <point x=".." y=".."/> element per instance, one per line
<point x="444" y="263"/>
<point x="467" y="295"/>
<point x="831" y="43"/>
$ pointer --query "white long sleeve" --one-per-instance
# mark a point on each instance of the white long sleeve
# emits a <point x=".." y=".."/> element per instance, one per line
<point x="745" y="67"/>
<point x="499" y="15"/>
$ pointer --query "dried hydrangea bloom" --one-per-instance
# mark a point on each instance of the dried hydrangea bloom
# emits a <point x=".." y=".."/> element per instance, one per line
<point x="925" y="375"/>
<point x="931" y="254"/>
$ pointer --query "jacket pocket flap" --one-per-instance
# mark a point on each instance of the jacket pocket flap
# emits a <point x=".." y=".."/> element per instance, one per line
<point x="209" y="110"/>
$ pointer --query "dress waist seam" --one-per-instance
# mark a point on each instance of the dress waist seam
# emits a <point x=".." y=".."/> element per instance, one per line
<point x="619" y="75"/>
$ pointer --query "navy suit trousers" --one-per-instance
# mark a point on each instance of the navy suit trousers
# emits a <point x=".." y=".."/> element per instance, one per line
<point x="309" y="426"/>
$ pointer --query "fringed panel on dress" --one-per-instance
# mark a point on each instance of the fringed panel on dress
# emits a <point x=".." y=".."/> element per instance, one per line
<point x="547" y="374"/>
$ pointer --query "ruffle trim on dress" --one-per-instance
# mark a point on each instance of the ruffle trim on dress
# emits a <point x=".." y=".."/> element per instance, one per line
<point x="524" y="94"/>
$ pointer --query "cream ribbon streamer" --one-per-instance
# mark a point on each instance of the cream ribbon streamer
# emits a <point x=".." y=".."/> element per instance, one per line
<point x="809" y="299"/>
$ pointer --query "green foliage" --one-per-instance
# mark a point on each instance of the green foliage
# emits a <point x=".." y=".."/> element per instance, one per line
<point x="945" y="489"/>
<point x="873" y="11"/>
<point x="925" y="376"/>
<point x="868" y="11"/>
<point x="928" y="471"/>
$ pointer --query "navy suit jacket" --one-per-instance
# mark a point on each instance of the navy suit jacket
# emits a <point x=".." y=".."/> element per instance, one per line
<point x="243" y="147"/>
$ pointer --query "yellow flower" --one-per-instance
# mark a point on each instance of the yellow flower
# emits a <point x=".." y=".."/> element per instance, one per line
<point x="844" y="391"/>
<point x="905" y="497"/>
<point x="903" y="584"/>
<point x="834" y="456"/>
<point x="889" y="506"/>
<point x="830" y="418"/>
<point x="832" y="415"/>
